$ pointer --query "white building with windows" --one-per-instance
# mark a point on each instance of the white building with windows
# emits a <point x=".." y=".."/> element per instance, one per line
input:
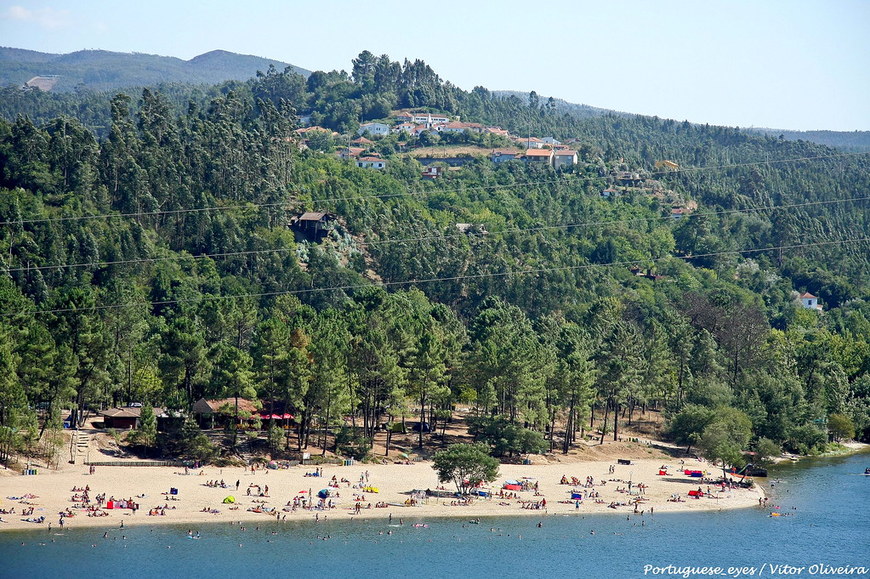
<point x="371" y="163"/>
<point x="809" y="301"/>
<point x="373" y="129"/>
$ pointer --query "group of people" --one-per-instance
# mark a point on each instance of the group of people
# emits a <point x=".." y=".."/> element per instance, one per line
<point x="463" y="502"/>
<point x="334" y="482"/>
<point x="535" y="505"/>
<point x="574" y="481"/>
<point x="159" y="511"/>
<point x="257" y="491"/>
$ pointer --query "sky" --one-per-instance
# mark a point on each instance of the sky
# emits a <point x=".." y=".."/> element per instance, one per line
<point x="784" y="64"/>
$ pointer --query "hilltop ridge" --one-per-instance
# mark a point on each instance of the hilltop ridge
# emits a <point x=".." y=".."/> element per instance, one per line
<point x="102" y="70"/>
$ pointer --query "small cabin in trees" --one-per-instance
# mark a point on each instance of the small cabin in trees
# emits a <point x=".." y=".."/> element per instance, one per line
<point x="312" y="225"/>
<point x="126" y="418"/>
<point x="809" y="301"/>
<point x="219" y="412"/>
<point x="432" y="172"/>
<point x="628" y="178"/>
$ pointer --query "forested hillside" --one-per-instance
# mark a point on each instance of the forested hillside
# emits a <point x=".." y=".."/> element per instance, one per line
<point x="156" y="262"/>
<point x="848" y="141"/>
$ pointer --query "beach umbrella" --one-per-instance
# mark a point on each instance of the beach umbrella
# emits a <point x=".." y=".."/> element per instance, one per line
<point x="323" y="493"/>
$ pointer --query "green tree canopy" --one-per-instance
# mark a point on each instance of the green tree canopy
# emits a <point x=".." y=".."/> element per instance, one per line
<point x="466" y="465"/>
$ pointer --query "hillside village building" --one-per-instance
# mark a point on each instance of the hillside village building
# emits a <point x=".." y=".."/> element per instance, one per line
<point x="564" y="158"/>
<point x="810" y="302"/>
<point x="376" y="129"/>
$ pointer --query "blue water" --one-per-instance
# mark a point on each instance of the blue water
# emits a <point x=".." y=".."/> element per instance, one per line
<point x="828" y="525"/>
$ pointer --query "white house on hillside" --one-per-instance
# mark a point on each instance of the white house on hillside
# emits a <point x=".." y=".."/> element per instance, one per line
<point x="407" y="127"/>
<point x="453" y="127"/>
<point x="531" y="143"/>
<point x="809" y="301"/>
<point x="371" y="163"/>
<point x="430" y="119"/>
<point x="373" y="129"/>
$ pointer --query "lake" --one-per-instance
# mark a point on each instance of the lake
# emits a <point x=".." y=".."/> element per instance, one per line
<point x="825" y="528"/>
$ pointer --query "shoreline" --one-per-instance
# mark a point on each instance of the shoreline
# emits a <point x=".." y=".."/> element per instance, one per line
<point x="849" y="448"/>
<point x="49" y="493"/>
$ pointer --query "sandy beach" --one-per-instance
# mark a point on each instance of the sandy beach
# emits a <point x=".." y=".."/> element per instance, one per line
<point x="194" y="501"/>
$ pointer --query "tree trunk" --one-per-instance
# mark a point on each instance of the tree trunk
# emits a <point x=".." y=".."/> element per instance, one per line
<point x="326" y="429"/>
<point x="569" y="427"/>
<point x="616" y="421"/>
<point x="422" y="416"/>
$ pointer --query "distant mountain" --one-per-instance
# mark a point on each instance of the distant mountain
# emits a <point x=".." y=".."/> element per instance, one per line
<point x="858" y="141"/>
<point x="100" y="70"/>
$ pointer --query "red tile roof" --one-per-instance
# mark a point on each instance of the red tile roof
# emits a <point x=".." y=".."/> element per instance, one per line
<point x="538" y="153"/>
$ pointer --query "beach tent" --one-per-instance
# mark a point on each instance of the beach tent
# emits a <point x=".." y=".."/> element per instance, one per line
<point x="229" y="500"/>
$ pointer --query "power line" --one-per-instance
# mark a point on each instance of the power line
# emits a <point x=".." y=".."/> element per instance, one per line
<point x="252" y="206"/>
<point x="565" y="226"/>
<point x="435" y="279"/>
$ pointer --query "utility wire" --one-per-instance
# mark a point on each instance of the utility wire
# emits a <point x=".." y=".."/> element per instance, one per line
<point x="282" y="204"/>
<point x="434" y="279"/>
<point x="513" y="230"/>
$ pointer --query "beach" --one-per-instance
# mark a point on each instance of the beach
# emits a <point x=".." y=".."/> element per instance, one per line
<point x="175" y="495"/>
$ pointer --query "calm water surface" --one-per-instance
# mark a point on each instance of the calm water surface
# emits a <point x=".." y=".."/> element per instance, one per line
<point x="828" y="526"/>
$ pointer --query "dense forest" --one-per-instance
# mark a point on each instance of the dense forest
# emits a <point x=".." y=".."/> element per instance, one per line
<point x="149" y="257"/>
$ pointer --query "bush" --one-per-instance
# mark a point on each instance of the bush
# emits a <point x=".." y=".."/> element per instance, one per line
<point x="805" y="439"/>
<point x="506" y="438"/>
<point x="351" y="443"/>
<point x="765" y="449"/>
<point x="276" y="439"/>
<point x="840" y="427"/>
<point x="187" y="442"/>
